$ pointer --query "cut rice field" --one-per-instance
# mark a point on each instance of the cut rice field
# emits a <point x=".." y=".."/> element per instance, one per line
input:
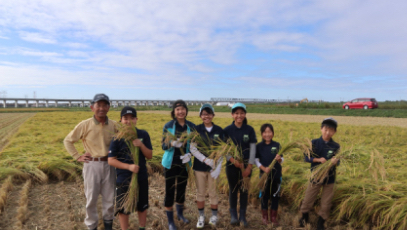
<point x="9" y="122"/>
<point x="371" y="183"/>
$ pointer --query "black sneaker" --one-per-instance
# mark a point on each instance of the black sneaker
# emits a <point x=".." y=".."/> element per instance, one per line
<point x="304" y="220"/>
<point x="320" y="225"/>
<point x="108" y="224"/>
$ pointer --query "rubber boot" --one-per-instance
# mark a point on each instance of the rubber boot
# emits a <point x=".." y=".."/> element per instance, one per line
<point x="265" y="217"/>
<point x="170" y="217"/>
<point x="242" y="217"/>
<point x="180" y="213"/>
<point x="108" y="224"/>
<point x="320" y="225"/>
<point x="273" y="217"/>
<point x="233" y="217"/>
<point x="304" y="219"/>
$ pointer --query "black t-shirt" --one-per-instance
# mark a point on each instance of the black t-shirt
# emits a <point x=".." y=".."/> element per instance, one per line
<point x="266" y="154"/>
<point x="241" y="137"/>
<point x="210" y="139"/>
<point x="120" y="150"/>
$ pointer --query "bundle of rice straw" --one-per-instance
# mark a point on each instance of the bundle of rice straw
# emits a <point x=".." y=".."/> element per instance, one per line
<point x="228" y="148"/>
<point x="184" y="138"/>
<point x="129" y="133"/>
<point x="304" y="145"/>
<point x="376" y="166"/>
<point x="211" y="149"/>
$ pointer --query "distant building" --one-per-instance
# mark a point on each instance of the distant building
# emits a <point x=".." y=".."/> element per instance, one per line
<point x="222" y="104"/>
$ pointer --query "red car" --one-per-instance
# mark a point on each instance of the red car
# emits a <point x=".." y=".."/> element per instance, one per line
<point x="361" y="103"/>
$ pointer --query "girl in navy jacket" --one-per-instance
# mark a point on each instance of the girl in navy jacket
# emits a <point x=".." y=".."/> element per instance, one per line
<point x="266" y="152"/>
<point x="244" y="137"/>
<point x="175" y="171"/>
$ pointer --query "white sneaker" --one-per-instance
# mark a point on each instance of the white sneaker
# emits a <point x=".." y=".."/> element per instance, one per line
<point x="201" y="222"/>
<point x="213" y="220"/>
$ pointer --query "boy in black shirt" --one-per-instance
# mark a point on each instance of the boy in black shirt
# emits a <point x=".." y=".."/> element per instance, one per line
<point x="120" y="158"/>
<point x="323" y="149"/>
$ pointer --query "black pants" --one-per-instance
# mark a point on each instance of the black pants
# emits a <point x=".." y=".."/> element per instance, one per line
<point x="271" y="192"/>
<point x="175" y="178"/>
<point x="235" y="178"/>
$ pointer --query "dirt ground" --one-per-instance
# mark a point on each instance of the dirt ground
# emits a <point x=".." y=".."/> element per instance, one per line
<point x="61" y="205"/>
<point x="385" y="121"/>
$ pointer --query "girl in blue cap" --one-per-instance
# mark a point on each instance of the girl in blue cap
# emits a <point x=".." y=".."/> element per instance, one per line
<point x="244" y="137"/>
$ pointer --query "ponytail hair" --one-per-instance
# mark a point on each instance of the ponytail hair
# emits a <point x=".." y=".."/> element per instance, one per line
<point x="245" y="121"/>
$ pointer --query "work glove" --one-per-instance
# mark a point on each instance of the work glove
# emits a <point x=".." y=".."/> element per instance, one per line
<point x="177" y="143"/>
<point x="185" y="158"/>
<point x="216" y="171"/>
<point x="209" y="162"/>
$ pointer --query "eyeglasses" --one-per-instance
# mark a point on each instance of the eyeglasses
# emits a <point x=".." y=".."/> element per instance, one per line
<point x="206" y="115"/>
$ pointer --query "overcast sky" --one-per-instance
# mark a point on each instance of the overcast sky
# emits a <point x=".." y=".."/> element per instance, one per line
<point x="129" y="49"/>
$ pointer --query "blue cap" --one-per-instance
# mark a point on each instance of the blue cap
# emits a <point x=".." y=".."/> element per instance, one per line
<point x="239" y="105"/>
<point x="204" y="106"/>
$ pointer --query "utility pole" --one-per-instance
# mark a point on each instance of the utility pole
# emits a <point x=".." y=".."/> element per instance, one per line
<point x="3" y="94"/>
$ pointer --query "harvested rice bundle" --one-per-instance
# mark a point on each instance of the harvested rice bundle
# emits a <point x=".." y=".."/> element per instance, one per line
<point x="215" y="151"/>
<point x="6" y="187"/>
<point x="303" y="145"/>
<point x="228" y="148"/>
<point x="376" y="167"/>
<point x="184" y="138"/>
<point x="168" y="138"/>
<point x="129" y="133"/>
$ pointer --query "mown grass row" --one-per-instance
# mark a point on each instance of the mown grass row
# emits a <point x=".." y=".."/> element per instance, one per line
<point x="6" y="187"/>
<point x="22" y="210"/>
<point x="363" y="194"/>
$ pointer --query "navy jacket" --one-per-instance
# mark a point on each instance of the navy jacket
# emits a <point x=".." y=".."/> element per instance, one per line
<point x="241" y="137"/>
<point x="266" y="154"/>
<point x="210" y="139"/>
<point x="320" y="148"/>
<point x="120" y="150"/>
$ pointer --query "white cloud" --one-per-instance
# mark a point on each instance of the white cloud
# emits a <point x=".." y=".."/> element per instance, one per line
<point x="75" y="45"/>
<point x="75" y="53"/>
<point x="35" y="75"/>
<point x="37" y="38"/>
<point x="30" y="52"/>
